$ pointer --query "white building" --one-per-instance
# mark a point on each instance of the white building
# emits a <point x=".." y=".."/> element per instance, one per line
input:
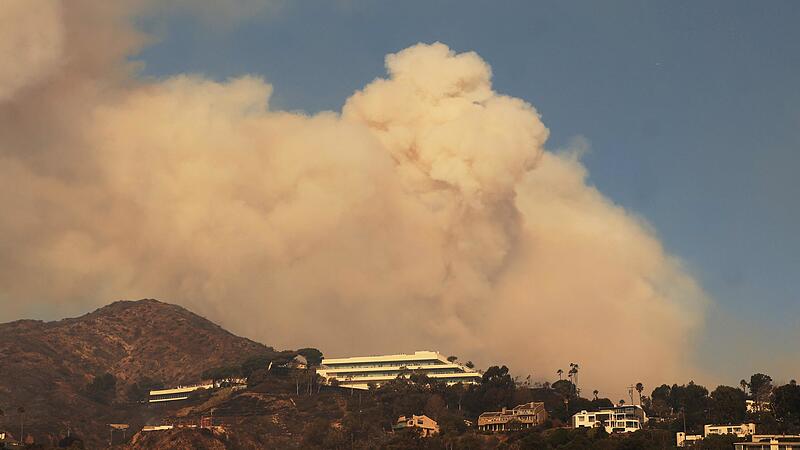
<point x="770" y="442"/>
<point x="177" y="393"/>
<point x="745" y="429"/>
<point x="682" y="438"/>
<point x="617" y="419"/>
<point x="361" y="371"/>
<point x="757" y="406"/>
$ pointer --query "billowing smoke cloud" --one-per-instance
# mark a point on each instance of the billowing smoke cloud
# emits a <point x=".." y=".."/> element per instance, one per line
<point x="426" y="215"/>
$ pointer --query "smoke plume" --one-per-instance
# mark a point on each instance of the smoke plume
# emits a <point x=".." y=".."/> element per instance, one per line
<point x="427" y="214"/>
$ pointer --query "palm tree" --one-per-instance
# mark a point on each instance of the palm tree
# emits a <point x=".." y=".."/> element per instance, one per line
<point x="639" y="389"/>
<point x="595" y="392"/>
<point x="573" y="372"/>
<point x="560" y="373"/>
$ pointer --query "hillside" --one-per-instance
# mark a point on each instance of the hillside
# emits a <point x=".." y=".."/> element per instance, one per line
<point x="46" y="366"/>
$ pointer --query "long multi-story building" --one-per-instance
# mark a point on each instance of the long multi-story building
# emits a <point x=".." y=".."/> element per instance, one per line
<point x="523" y="416"/>
<point x="176" y="393"/>
<point x="360" y="372"/>
<point x="617" y="419"/>
<point x="770" y="442"/>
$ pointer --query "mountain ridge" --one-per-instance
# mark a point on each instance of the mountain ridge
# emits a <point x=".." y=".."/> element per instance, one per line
<point x="48" y="365"/>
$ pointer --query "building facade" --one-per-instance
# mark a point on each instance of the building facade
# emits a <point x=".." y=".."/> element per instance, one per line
<point x="745" y="429"/>
<point x="770" y="442"/>
<point x="423" y="424"/>
<point x="617" y="419"/>
<point x="175" y="394"/>
<point x="682" y="438"/>
<point x="361" y="371"/>
<point x="520" y="417"/>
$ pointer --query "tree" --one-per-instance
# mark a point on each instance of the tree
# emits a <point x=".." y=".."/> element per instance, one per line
<point x="102" y="388"/>
<point x="573" y="374"/>
<point x="452" y="358"/>
<point x="743" y="384"/>
<point x="639" y="389"/>
<point x="760" y="388"/>
<point x="312" y="355"/>
<point x="693" y="400"/>
<point x="786" y="404"/>
<point x="140" y="390"/>
<point x="595" y="392"/>
<point x="560" y="373"/>
<point x="470" y="365"/>
<point x="661" y="402"/>
<point x="220" y="373"/>
<point x="565" y="388"/>
<point x="727" y="405"/>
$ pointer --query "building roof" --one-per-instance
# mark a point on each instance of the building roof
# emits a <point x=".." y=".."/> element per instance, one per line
<point x="515" y="410"/>
<point x="422" y="355"/>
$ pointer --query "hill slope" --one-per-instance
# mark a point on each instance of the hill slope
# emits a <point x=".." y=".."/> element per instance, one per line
<point x="46" y="366"/>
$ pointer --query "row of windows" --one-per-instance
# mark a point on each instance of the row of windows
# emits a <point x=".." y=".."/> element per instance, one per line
<point x="364" y="365"/>
<point x="177" y="396"/>
<point x="393" y="373"/>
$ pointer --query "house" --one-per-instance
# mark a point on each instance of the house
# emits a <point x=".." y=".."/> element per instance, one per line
<point x="682" y="438"/>
<point x="754" y="406"/>
<point x="359" y="372"/>
<point x="742" y="430"/>
<point x="770" y="442"/>
<point x="425" y="425"/>
<point x="745" y="429"/>
<point x="523" y="416"/>
<point x="616" y="419"/>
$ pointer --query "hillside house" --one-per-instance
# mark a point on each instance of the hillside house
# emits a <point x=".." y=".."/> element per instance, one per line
<point x="425" y="425"/>
<point x="523" y="416"/>
<point x="617" y="419"/>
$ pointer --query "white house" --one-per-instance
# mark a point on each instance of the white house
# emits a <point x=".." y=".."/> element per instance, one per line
<point x="682" y="438"/>
<point x="617" y="419"/>
<point x="757" y="406"/>
<point x="742" y="430"/>
<point x="360" y="371"/>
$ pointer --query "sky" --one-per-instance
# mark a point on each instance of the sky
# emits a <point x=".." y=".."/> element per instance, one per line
<point x="447" y="174"/>
<point x="691" y="113"/>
